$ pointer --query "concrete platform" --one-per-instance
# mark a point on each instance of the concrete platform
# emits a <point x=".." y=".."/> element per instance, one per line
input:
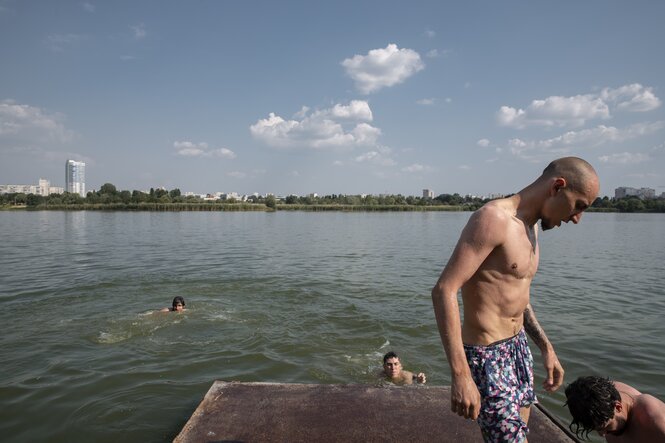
<point x="276" y="412"/>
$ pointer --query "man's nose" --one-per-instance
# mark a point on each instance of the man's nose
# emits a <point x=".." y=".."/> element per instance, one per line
<point x="575" y="218"/>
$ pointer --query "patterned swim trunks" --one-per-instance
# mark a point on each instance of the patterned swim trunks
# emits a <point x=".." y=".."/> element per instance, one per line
<point x="503" y="372"/>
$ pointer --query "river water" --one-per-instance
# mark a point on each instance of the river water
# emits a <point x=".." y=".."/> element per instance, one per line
<point x="293" y="297"/>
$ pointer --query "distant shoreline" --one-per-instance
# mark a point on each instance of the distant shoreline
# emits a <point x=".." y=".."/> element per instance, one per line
<point x="237" y="207"/>
<point x="257" y="207"/>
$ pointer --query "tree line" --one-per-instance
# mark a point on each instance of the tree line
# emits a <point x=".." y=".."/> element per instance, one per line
<point x="109" y="198"/>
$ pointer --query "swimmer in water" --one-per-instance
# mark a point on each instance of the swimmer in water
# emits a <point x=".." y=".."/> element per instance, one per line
<point x="392" y="371"/>
<point x="178" y="305"/>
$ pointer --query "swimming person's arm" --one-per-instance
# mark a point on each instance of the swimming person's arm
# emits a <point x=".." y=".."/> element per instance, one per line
<point x="420" y="378"/>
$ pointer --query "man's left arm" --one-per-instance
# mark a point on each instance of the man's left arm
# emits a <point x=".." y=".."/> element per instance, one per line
<point x="550" y="360"/>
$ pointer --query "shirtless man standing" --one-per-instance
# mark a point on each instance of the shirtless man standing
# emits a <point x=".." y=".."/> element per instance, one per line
<point x="493" y="264"/>
<point x="615" y="410"/>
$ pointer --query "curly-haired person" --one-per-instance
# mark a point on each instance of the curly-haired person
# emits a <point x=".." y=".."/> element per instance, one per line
<point x="615" y="410"/>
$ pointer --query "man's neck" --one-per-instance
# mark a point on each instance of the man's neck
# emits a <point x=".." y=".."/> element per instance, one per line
<point x="627" y="401"/>
<point x="528" y="204"/>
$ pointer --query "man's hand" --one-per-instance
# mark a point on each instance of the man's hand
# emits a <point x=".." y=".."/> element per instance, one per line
<point x="420" y="378"/>
<point x="465" y="398"/>
<point x="554" y="371"/>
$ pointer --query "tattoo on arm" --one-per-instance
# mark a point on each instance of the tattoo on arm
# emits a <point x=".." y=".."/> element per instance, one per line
<point x="532" y="327"/>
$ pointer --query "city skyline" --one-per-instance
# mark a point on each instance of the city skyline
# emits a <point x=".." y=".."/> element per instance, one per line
<point x="345" y="98"/>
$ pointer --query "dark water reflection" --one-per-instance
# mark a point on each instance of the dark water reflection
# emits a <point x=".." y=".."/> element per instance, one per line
<point x="284" y="297"/>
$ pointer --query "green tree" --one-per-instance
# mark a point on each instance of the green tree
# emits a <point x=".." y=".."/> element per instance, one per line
<point x="20" y="198"/>
<point x="125" y="196"/>
<point x="68" y="198"/>
<point x="108" y="188"/>
<point x="138" y="196"/>
<point x="33" y="200"/>
<point x="92" y="198"/>
<point x="271" y="202"/>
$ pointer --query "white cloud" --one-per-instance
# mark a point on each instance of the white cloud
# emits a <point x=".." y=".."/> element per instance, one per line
<point x="376" y="157"/>
<point x="59" y="42"/>
<point x="435" y="53"/>
<point x="223" y="152"/>
<point x="89" y="7"/>
<point x="127" y="58"/>
<point x="555" y="111"/>
<point x="27" y="124"/>
<point x="415" y="168"/>
<point x="483" y="142"/>
<point x="582" y="140"/>
<point x="464" y="167"/>
<point x="425" y="101"/>
<point x="601" y="135"/>
<point x="632" y="98"/>
<point x="338" y="163"/>
<point x="624" y="158"/>
<point x="342" y="126"/>
<point x="189" y="149"/>
<point x="356" y="110"/>
<point x="236" y="174"/>
<point x="517" y="146"/>
<point x="382" y="67"/>
<point x="139" y="31"/>
<point x="575" y="111"/>
<point x="429" y="33"/>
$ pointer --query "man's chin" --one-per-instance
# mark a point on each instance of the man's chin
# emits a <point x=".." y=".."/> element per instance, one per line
<point x="545" y="226"/>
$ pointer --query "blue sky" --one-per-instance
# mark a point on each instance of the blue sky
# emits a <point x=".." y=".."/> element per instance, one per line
<point x="331" y="97"/>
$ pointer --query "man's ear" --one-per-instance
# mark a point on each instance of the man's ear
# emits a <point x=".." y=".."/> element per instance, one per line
<point x="557" y="184"/>
<point x="618" y="406"/>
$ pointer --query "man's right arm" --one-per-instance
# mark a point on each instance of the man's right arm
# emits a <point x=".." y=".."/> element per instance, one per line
<point x="481" y="235"/>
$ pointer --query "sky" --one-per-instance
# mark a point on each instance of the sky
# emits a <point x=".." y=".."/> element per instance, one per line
<point x="343" y="97"/>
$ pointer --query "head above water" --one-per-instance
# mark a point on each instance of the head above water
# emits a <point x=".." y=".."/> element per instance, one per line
<point x="392" y="367"/>
<point x="570" y="186"/>
<point x="178" y="303"/>
<point x="592" y="402"/>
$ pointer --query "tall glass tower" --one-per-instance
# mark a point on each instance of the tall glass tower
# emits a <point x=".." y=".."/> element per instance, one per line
<point x="75" y="177"/>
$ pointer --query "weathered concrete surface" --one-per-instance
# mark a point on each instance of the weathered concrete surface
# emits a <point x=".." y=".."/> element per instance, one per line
<point x="276" y="412"/>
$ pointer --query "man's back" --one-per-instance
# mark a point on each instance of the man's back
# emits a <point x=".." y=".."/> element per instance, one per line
<point x="646" y="422"/>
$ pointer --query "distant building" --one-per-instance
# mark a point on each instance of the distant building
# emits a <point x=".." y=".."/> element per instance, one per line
<point x="75" y="177"/>
<point x="495" y="196"/>
<point x="643" y="193"/>
<point x="428" y="193"/>
<point x="44" y="188"/>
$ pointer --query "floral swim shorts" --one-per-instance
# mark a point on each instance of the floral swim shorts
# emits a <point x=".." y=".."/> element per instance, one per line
<point x="503" y="372"/>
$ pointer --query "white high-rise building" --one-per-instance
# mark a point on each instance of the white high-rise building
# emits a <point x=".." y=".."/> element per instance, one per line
<point x="75" y="177"/>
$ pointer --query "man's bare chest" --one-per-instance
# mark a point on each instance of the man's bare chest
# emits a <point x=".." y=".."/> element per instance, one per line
<point x="518" y="257"/>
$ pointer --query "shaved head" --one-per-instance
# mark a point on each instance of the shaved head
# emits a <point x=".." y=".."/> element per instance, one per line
<point x="579" y="174"/>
